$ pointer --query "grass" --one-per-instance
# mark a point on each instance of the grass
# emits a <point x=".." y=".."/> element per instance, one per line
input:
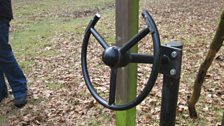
<point x="54" y="86"/>
<point x="37" y="23"/>
<point x="2" y="120"/>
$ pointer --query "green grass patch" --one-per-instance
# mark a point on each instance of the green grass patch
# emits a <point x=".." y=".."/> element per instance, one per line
<point x="54" y="86"/>
<point x="36" y="22"/>
<point x="30" y="40"/>
<point x="3" y="120"/>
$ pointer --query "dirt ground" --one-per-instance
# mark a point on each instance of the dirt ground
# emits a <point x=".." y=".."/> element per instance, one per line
<point x="58" y="95"/>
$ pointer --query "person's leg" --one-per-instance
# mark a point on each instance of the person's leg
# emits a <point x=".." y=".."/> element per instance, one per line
<point x="16" y="79"/>
<point x="9" y="65"/>
<point x="3" y="87"/>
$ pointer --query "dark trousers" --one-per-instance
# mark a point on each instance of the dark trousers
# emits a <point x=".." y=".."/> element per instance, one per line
<point x="9" y="67"/>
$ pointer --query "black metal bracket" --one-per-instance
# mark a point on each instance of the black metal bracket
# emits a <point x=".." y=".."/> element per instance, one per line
<point x="174" y="56"/>
<point x="171" y="71"/>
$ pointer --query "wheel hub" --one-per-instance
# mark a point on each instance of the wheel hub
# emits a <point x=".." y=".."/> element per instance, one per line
<point x="111" y="56"/>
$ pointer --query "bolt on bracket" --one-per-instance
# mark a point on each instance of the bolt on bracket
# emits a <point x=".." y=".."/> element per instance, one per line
<point x="174" y="52"/>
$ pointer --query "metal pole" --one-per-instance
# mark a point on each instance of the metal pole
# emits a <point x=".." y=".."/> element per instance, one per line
<point x="127" y="12"/>
<point x="170" y="89"/>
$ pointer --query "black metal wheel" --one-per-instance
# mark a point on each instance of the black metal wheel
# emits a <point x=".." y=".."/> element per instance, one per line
<point x="116" y="57"/>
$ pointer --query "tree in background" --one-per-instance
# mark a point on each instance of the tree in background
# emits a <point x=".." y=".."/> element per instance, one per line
<point x="214" y="48"/>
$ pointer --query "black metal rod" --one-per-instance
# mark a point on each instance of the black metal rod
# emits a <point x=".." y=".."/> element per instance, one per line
<point x="93" y="22"/>
<point x="170" y="92"/>
<point x="134" y="40"/>
<point x="99" y="38"/>
<point x="143" y="58"/>
<point x="140" y="58"/>
<point x="113" y="78"/>
<point x="169" y="101"/>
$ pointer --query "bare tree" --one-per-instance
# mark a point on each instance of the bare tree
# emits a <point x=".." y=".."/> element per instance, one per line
<point x="222" y="120"/>
<point x="214" y="48"/>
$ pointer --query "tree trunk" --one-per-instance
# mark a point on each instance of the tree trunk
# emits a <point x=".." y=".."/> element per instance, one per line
<point x="214" y="48"/>
<point x="222" y="120"/>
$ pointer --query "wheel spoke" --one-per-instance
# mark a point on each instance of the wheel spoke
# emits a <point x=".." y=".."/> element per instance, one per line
<point x="113" y="78"/>
<point x="134" y="40"/>
<point x="99" y="38"/>
<point x="140" y="58"/>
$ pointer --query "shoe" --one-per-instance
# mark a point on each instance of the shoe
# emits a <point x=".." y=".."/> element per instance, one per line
<point x="3" y="97"/>
<point x="20" y="102"/>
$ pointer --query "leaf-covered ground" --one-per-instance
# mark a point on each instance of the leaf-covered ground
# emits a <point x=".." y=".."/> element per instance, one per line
<point x="47" y="36"/>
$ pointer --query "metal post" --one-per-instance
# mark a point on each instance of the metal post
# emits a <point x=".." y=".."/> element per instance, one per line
<point x="127" y="12"/>
<point x="171" y="79"/>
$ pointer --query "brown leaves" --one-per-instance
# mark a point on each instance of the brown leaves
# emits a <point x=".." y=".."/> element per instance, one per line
<point x="57" y="92"/>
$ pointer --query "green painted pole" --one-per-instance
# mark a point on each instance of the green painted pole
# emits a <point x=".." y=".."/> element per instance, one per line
<point x="127" y="13"/>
